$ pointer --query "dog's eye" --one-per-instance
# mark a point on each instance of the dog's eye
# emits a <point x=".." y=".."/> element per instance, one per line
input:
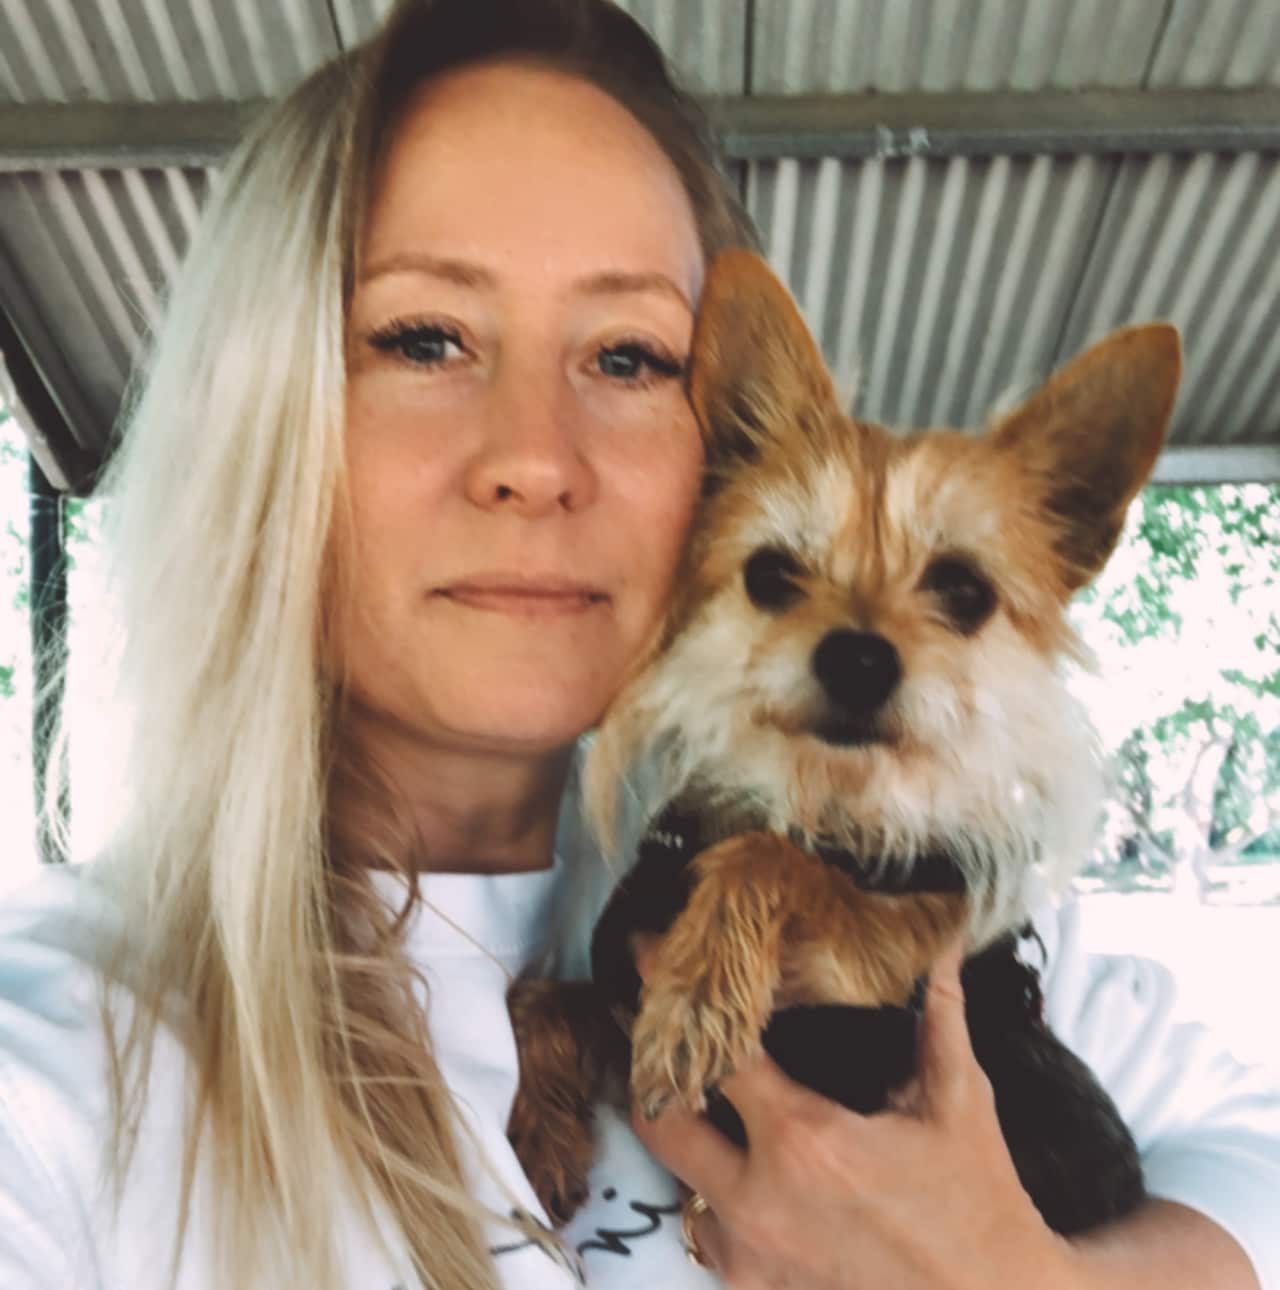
<point x="967" y="598"/>
<point x="770" y="577"/>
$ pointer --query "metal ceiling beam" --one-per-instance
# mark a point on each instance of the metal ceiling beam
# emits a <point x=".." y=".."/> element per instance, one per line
<point x="1245" y="463"/>
<point x="43" y="416"/>
<point x="1093" y="122"/>
<point x="36" y="136"/>
<point x="120" y="136"/>
<point x="57" y="418"/>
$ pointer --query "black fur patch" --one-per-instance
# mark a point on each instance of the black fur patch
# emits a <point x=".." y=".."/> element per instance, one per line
<point x="934" y="871"/>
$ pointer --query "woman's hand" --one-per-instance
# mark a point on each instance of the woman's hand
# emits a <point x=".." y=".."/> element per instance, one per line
<point x="922" y="1196"/>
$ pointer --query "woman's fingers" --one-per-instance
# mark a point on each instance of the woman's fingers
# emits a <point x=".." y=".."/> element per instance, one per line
<point x="704" y="1235"/>
<point x="947" y="1070"/>
<point x="946" y="1081"/>
<point x="764" y="1095"/>
<point x="823" y="1196"/>
<point x="695" y="1151"/>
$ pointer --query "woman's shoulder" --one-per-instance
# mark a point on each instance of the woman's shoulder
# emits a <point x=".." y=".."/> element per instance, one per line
<point x="53" y="933"/>
<point x="53" y="1102"/>
<point x="58" y="1023"/>
<point x="58" y="940"/>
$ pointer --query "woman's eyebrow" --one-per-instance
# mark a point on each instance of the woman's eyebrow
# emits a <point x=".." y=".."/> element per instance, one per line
<point x="459" y="272"/>
<point x="464" y="273"/>
<point x="620" y="282"/>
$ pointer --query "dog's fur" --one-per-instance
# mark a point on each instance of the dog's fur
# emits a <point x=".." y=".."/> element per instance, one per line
<point x="857" y="706"/>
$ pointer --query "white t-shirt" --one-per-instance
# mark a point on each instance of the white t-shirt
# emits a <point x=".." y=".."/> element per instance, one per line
<point x="1209" y="1128"/>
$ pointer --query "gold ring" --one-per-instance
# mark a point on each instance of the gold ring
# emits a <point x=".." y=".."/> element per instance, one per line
<point x="693" y="1208"/>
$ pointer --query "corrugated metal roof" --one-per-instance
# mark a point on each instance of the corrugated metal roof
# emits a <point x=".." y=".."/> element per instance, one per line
<point x="159" y="50"/>
<point x="895" y="46"/>
<point x="892" y="46"/>
<point x="706" y="39"/>
<point x="943" y="280"/>
<point x="1232" y="43"/>
<point x="935" y="285"/>
<point x="913" y="271"/>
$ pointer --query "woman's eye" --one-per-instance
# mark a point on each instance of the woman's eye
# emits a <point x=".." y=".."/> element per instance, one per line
<point x="424" y="344"/>
<point x="635" y="363"/>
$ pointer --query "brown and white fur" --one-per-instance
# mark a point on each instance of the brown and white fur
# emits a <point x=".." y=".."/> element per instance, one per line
<point x="938" y="566"/>
<point x="981" y="742"/>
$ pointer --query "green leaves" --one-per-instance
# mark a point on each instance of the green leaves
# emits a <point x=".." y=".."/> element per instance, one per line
<point x="1186" y="623"/>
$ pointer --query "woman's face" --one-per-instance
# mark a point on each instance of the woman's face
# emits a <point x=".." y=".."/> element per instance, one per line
<point x="522" y="460"/>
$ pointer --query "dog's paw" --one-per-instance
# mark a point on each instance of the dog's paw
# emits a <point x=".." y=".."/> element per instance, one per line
<point x="553" y="1140"/>
<point x="682" y="1045"/>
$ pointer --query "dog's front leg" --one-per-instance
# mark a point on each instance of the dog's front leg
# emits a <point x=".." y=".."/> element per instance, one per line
<point x="711" y="988"/>
<point x="571" y="1052"/>
<point x="768" y="925"/>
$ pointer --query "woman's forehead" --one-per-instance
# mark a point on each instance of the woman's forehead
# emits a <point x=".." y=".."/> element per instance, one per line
<point x="512" y="163"/>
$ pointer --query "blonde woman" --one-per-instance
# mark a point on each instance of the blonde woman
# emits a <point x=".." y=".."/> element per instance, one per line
<point x="400" y="496"/>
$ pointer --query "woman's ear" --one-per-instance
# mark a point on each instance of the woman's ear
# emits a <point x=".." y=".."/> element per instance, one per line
<point x="757" y="376"/>
<point x="1088" y="439"/>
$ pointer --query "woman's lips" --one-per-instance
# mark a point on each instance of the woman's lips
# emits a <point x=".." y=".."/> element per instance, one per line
<point x="527" y="598"/>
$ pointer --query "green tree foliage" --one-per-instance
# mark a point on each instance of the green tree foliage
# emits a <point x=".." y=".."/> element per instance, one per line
<point x="1189" y="616"/>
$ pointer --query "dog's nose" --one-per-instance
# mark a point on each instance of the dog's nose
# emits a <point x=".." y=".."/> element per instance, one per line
<point x="858" y="670"/>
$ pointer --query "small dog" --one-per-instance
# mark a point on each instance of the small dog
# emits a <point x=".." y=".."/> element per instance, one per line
<point x="865" y="749"/>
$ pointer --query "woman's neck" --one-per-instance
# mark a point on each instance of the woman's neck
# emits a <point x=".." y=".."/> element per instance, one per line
<point x="470" y="810"/>
<point x="498" y="817"/>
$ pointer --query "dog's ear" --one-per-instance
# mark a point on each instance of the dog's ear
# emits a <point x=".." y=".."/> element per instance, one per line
<point x="1088" y="439"/>
<point x="757" y="376"/>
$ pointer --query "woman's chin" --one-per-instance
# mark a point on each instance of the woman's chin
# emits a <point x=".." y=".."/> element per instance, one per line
<point x="533" y="726"/>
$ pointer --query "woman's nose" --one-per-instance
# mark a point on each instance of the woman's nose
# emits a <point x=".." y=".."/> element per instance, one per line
<point x="530" y="460"/>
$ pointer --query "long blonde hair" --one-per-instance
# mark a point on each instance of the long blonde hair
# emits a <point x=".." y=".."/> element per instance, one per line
<point x="247" y="822"/>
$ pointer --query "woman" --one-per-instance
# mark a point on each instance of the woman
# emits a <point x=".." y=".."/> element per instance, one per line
<point x="397" y="507"/>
